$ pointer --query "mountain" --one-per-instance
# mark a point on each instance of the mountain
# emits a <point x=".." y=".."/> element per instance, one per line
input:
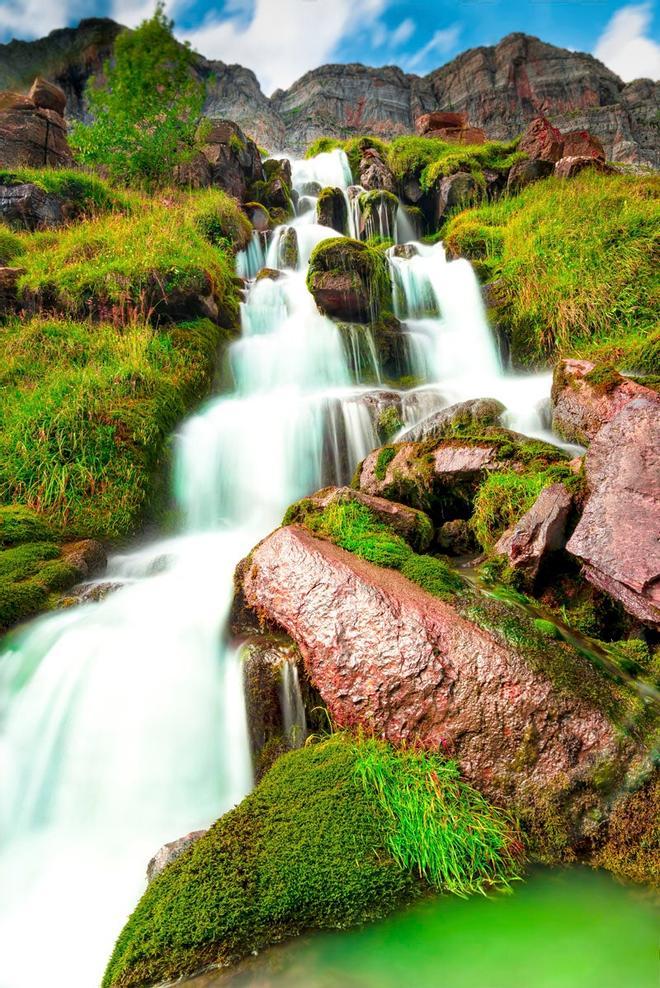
<point x="501" y="87"/>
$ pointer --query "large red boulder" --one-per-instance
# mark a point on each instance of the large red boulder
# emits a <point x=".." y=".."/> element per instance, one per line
<point x="542" y="140"/>
<point x="617" y="535"/>
<point x="439" y="120"/>
<point x="586" y="396"/>
<point x="33" y="135"/>
<point x="583" y="144"/>
<point x="388" y="656"/>
<point x="572" y="165"/>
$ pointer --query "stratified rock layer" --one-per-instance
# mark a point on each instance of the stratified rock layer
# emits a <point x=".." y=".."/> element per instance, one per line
<point x="387" y="655"/>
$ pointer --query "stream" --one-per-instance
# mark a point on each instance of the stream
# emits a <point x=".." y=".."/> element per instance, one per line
<point x="122" y="721"/>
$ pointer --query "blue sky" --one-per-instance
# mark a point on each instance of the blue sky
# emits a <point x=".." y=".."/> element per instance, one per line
<point x="282" y="39"/>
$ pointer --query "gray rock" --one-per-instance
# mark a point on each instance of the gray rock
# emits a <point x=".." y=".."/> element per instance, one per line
<point x="524" y="173"/>
<point x="170" y="852"/>
<point x="486" y="411"/>
<point x="29" y="207"/>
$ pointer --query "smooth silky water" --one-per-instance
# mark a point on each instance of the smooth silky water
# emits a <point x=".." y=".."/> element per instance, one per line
<point x="122" y="722"/>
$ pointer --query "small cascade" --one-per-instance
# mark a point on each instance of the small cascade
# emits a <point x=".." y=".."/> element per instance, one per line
<point x="406" y="230"/>
<point x="293" y="708"/>
<point x="250" y="261"/>
<point x="361" y="353"/>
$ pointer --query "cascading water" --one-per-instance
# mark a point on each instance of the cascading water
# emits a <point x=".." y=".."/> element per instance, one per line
<point x="122" y="721"/>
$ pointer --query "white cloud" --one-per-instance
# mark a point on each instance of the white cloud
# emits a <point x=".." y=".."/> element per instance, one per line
<point x="403" y="32"/>
<point x="285" y="38"/>
<point x="34" y="18"/>
<point x="624" y="47"/>
<point x="441" y="43"/>
<point x="131" y="13"/>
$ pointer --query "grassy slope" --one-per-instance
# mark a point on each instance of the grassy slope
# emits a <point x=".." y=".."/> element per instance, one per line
<point x="574" y="265"/>
<point x="336" y="834"/>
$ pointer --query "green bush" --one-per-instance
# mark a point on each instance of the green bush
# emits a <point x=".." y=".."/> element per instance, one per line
<point x="145" y="112"/>
<point x="335" y="834"/>
<point x="575" y="267"/>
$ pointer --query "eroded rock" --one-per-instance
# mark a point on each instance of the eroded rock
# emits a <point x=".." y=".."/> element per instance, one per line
<point x="540" y="531"/>
<point x="30" y="135"/>
<point x="541" y="141"/>
<point x="374" y="173"/>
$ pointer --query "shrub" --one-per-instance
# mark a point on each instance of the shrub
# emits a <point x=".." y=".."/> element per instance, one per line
<point x="146" y="113"/>
<point x="335" y="834"/>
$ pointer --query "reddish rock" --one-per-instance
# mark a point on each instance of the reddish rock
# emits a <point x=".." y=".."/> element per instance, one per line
<point x="374" y="173"/>
<point x="585" y="397"/>
<point x="195" y="173"/>
<point x="412" y="525"/>
<point x="523" y="173"/>
<point x="459" y="135"/>
<point x="618" y="535"/>
<point x="170" y="852"/>
<point x="31" y="136"/>
<point x="542" y="141"/>
<point x="540" y="531"/>
<point x="580" y="143"/>
<point x="386" y="655"/>
<point x="47" y="96"/>
<point x="88" y="557"/>
<point x="342" y="295"/>
<point x="428" y="122"/>
<point x="571" y="166"/>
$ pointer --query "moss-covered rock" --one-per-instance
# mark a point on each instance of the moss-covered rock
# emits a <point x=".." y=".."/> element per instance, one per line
<point x="331" y="210"/>
<point x="336" y="834"/>
<point x="350" y="280"/>
<point x="378" y="210"/>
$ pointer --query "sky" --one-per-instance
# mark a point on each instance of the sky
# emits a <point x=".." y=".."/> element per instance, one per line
<point x="282" y="39"/>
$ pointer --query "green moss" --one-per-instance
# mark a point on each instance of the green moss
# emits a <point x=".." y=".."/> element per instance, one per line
<point x="389" y="423"/>
<point x="502" y="500"/>
<point x="29" y="573"/>
<point x="19" y="524"/>
<point x="383" y="460"/>
<point x="629" y="841"/>
<point x="366" y="265"/>
<point x="550" y="250"/>
<point x="603" y="378"/>
<point x="547" y="628"/>
<point x="433" y="575"/>
<point x="336" y="834"/>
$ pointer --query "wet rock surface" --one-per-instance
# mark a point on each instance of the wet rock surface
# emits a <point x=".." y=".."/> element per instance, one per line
<point x="387" y="655"/>
<point x="540" y="531"/>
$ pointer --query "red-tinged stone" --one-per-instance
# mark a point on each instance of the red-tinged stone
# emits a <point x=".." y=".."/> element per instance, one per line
<point x="582" y="405"/>
<point x="580" y="143"/>
<point x="618" y="535"/>
<point x="47" y="96"/>
<point x="388" y="656"/>
<point x="540" y="531"/>
<point x="542" y="140"/>
<point x="428" y="122"/>
<point x="572" y="165"/>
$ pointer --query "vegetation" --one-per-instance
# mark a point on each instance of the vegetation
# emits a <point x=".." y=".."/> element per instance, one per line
<point x="82" y="193"/>
<point x="145" y="115"/>
<point x="335" y="834"/>
<point x="548" y="249"/>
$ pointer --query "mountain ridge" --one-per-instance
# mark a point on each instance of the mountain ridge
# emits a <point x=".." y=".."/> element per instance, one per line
<point x="501" y="87"/>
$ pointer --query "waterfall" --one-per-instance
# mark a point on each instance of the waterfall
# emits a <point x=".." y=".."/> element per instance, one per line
<point x="293" y="709"/>
<point x="122" y="721"/>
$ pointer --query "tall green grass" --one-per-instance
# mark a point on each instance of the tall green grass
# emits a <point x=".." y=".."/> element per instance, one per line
<point x="440" y="826"/>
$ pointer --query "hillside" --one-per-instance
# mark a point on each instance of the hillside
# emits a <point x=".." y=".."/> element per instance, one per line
<point x="501" y="87"/>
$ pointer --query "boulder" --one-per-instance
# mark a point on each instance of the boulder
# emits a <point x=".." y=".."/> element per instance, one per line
<point x="586" y="396"/>
<point x="378" y="211"/>
<point x="580" y="143"/>
<point x="456" y="538"/>
<point x="288" y="248"/>
<point x="196" y="173"/>
<point x="523" y="173"/>
<point x="349" y="280"/>
<point x="454" y="191"/>
<point x="387" y="655"/>
<point x="234" y="159"/>
<point x="405" y="250"/>
<point x="332" y="210"/>
<point x="88" y="557"/>
<point x="31" y="136"/>
<point x="374" y="173"/>
<point x="412" y="525"/>
<point x="542" y="141"/>
<point x="617" y="535"/>
<point x="486" y="411"/>
<point x="540" y="531"/>
<point x="277" y="190"/>
<point x="439" y="120"/>
<point x="571" y="166"/>
<point x="258" y="216"/>
<point x="47" y="96"/>
<point x="29" y="207"/>
<point x="170" y="852"/>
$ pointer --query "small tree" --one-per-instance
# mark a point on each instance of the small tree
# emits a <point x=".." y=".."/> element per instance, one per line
<point x="146" y="113"/>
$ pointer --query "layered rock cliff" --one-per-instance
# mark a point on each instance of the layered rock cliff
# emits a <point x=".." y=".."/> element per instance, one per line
<point x="501" y="88"/>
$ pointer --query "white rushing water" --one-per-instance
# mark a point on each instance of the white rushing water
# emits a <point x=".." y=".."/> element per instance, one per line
<point x="122" y="721"/>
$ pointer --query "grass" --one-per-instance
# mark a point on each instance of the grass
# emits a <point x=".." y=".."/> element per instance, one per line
<point x="502" y="500"/>
<point x="334" y="835"/>
<point x="85" y="194"/>
<point x="85" y="411"/>
<point x="574" y="267"/>
<point x="441" y="828"/>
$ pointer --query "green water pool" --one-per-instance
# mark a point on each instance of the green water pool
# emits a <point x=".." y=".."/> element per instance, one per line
<point x="560" y="929"/>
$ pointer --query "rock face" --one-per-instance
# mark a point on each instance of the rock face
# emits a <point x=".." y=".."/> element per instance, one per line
<point x="584" y="398"/>
<point x="617" y="535"/>
<point x="234" y="159"/>
<point x="582" y="144"/>
<point x="498" y="88"/>
<point x="540" y="531"/>
<point x="374" y="173"/>
<point x="30" y="134"/>
<point x="29" y="207"/>
<point x="456" y="190"/>
<point x="387" y="655"/>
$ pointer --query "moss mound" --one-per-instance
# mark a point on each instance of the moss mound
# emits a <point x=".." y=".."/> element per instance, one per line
<point x="364" y="264"/>
<point x="573" y="267"/>
<point x="336" y="834"/>
<point x="86" y="411"/>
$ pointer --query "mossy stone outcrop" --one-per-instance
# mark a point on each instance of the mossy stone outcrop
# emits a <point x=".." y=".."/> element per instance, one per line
<point x="349" y="280"/>
<point x="331" y="210"/>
